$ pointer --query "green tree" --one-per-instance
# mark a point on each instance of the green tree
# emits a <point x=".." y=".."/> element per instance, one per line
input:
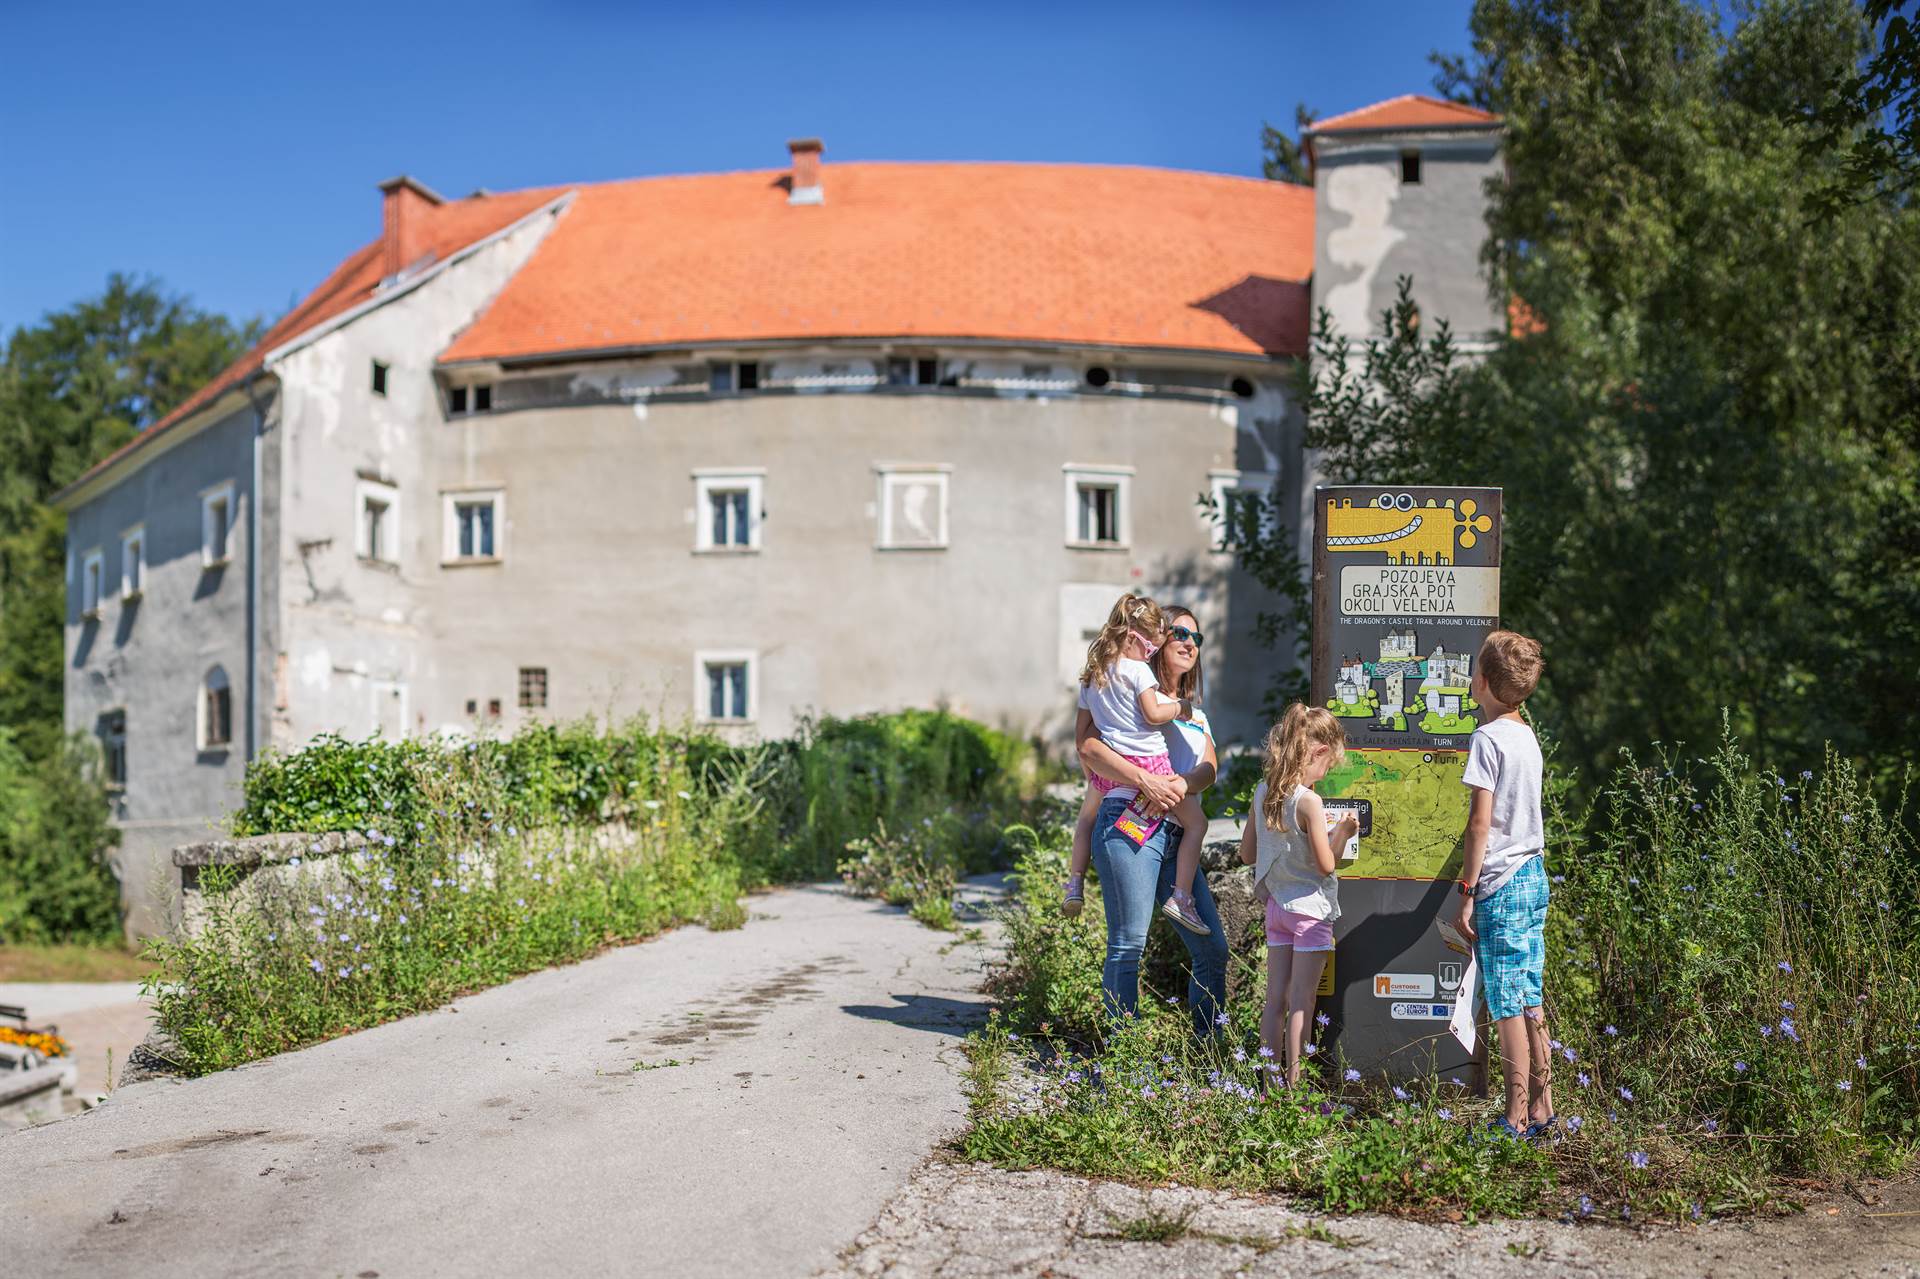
<point x="1708" y="436"/>
<point x="1283" y="158"/>
<point x="1873" y="117"/>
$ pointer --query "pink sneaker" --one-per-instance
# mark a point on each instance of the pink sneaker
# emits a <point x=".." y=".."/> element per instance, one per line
<point x="1179" y="908"/>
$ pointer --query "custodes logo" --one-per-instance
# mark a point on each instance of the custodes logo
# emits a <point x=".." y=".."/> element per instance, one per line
<point x="1383" y="986"/>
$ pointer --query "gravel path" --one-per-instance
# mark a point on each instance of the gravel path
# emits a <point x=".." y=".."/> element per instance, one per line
<point x="964" y="1220"/>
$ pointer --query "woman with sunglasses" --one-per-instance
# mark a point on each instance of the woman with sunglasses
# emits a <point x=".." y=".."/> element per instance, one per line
<point x="1136" y="879"/>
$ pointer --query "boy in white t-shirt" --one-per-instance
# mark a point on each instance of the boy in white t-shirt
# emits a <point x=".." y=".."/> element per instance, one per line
<point x="1503" y="883"/>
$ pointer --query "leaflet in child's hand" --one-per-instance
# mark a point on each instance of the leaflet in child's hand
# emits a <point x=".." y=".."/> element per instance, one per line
<point x="1136" y="824"/>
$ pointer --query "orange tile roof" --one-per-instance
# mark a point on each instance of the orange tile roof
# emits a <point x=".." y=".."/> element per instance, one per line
<point x="1408" y="111"/>
<point x="450" y="228"/>
<point x="1043" y="253"/>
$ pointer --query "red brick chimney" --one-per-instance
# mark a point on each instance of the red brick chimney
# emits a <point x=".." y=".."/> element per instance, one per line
<point x="806" y="172"/>
<point x="403" y="223"/>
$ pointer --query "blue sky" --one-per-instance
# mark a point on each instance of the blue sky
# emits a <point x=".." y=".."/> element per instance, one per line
<point x="232" y="150"/>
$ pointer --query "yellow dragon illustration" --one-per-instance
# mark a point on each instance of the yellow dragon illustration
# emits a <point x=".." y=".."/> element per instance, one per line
<point x="1405" y="533"/>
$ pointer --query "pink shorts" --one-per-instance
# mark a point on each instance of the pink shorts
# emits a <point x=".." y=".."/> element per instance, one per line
<point x="1297" y="932"/>
<point x="1158" y="765"/>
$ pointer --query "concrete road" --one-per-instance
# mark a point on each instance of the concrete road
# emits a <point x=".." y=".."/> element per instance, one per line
<point x="817" y="1053"/>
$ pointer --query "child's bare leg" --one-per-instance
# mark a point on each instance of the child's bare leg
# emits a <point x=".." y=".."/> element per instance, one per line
<point x="1083" y="834"/>
<point x="1302" y="993"/>
<point x="1074" y="894"/>
<point x="1193" y="833"/>
<point x="1274" y="1011"/>
<point x="1515" y="1064"/>
<point x="1540" y="1063"/>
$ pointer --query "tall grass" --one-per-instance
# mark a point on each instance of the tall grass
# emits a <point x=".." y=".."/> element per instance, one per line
<point x="1733" y="985"/>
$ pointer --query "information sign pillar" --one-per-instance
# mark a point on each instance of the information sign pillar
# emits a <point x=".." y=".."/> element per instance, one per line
<point x="1406" y="585"/>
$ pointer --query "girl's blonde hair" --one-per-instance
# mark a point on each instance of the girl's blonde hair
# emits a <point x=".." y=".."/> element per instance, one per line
<point x="1130" y="613"/>
<point x="1289" y="744"/>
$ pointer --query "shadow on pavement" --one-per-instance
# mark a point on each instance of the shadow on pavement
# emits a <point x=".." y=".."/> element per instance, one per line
<point x="926" y="1012"/>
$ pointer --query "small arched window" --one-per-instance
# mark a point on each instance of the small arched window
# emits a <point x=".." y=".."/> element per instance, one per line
<point x="216" y="711"/>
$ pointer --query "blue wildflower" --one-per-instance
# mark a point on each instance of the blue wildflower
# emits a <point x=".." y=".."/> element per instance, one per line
<point x="1353" y="1076"/>
<point x="1638" y="1158"/>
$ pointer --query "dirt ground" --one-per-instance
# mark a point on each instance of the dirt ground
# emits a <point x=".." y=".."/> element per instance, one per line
<point x="958" y="1220"/>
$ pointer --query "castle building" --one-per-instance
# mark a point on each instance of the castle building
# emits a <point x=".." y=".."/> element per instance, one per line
<point x="738" y="448"/>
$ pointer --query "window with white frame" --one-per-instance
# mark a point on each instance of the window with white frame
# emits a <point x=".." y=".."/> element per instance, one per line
<point x="133" y="563"/>
<point x="93" y="577"/>
<point x="473" y="526"/>
<point x="376" y="534"/>
<point x="724" y="687"/>
<point x="1235" y="493"/>
<point x="216" y="711"/>
<point x="727" y="509"/>
<point x="913" y="507"/>
<point x="1097" y="502"/>
<point x="216" y="525"/>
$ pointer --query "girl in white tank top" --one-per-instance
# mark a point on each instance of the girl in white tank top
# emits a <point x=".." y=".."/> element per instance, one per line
<point x="1287" y="842"/>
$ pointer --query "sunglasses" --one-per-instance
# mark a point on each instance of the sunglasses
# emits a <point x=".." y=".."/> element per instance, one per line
<point x="1182" y="634"/>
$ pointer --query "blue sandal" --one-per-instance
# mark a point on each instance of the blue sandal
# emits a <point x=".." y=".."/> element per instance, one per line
<point x="1542" y="1129"/>
<point x="1501" y="1128"/>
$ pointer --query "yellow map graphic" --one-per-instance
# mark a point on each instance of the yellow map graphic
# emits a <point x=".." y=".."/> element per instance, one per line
<point x="1419" y="812"/>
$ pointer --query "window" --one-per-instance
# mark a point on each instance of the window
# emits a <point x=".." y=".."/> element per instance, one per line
<point x="470" y="399"/>
<point x="1409" y="168"/>
<point x="727" y="510"/>
<point x="533" y="687"/>
<point x="1097" y="514"/>
<point x="216" y="526"/>
<point x="473" y="706"/>
<point x="377" y="533"/>
<point x="379" y="378"/>
<point x="913" y="507"/>
<point x="913" y="371"/>
<point x="731" y="375"/>
<point x="133" y="563"/>
<point x="474" y="527"/>
<point x="93" y="575"/>
<point x="723" y="687"/>
<point x="1234" y="493"/>
<point x="111" y="729"/>
<point x="216" y="711"/>
<point x="493" y="707"/>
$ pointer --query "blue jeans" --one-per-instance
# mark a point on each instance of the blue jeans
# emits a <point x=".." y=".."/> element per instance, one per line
<point x="1134" y="880"/>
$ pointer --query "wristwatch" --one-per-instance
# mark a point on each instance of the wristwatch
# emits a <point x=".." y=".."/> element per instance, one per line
<point x="1466" y="889"/>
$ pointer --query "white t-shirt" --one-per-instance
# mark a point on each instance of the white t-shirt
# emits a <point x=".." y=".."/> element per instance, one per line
<point x="1186" y="739"/>
<point x="1116" y="709"/>
<point x="1283" y="861"/>
<point x="1504" y="757"/>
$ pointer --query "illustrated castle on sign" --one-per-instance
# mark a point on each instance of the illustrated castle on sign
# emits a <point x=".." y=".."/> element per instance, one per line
<point x="1398" y="646"/>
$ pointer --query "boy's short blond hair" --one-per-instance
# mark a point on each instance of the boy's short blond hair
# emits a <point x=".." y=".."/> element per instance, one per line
<point x="1511" y="665"/>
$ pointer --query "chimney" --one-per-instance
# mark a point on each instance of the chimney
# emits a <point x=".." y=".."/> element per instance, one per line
<point x="806" y="172"/>
<point x="403" y="223"/>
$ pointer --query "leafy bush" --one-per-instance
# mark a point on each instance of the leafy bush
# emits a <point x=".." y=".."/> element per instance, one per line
<point x="1733" y="983"/>
<point x="836" y="780"/>
<point x="56" y="882"/>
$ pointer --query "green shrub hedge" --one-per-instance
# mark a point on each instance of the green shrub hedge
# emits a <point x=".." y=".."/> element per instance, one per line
<point x="834" y="781"/>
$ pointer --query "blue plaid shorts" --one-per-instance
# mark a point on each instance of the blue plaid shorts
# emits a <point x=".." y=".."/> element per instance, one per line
<point x="1511" y="940"/>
